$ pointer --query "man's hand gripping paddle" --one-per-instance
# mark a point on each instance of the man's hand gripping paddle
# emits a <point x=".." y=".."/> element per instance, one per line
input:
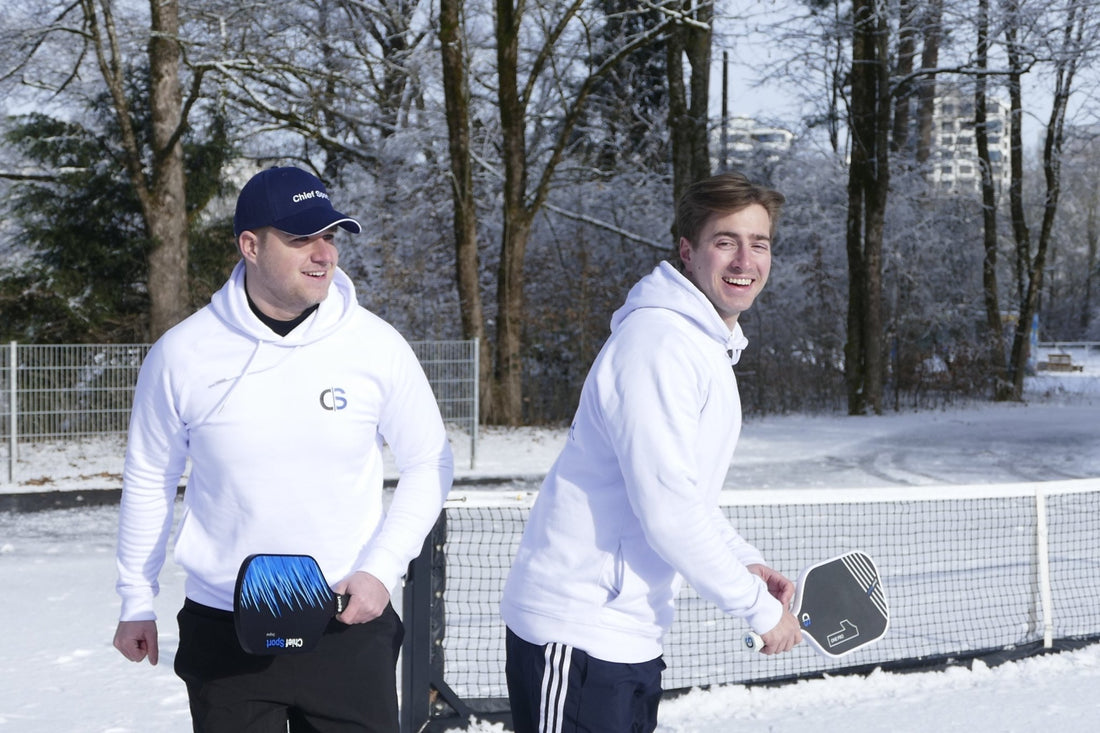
<point x="840" y="605"/>
<point x="282" y="604"/>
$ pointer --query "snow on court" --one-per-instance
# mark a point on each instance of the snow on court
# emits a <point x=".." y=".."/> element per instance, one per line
<point x="58" y="670"/>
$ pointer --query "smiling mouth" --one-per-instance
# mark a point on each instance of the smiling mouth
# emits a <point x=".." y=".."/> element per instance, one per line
<point x="317" y="274"/>
<point x="737" y="280"/>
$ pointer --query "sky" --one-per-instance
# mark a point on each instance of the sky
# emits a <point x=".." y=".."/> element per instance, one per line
<point x="744" y="46"/>
<point x="58" y="670"/>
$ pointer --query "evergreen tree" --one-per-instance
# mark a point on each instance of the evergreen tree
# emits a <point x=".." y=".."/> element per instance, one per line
<point x="80" y="271"/>
<point x="82" y="262"/>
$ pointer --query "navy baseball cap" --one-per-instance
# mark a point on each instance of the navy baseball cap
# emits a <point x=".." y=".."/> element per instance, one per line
<point x="291" y="200"/>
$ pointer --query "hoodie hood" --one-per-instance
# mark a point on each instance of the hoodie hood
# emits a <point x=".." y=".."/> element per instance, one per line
<point x="665" y="287"/>
<point x="230" y="305"/>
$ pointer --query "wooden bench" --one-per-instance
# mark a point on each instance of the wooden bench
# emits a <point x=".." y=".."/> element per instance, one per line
<point x="1060" y="363"/>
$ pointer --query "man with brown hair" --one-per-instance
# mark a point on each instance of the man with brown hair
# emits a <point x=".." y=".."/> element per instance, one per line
<point x="630" y="508"/>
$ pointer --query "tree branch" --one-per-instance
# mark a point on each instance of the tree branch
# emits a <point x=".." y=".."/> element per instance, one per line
<point x="600" y="224"/>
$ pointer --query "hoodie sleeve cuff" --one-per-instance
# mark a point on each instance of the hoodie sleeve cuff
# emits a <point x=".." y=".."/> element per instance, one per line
<point x="766" y="617"/>
<point x="138" y="608"/>
<point x="385" y="567"/>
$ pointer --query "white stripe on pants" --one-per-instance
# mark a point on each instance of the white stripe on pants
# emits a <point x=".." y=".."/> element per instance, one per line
<point x="555" y="681"/>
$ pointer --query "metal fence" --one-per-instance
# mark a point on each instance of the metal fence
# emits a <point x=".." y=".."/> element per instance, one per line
<point x="452" y="369"/>
<point x="1085" y="354"/>
<point x="63" y="392"/>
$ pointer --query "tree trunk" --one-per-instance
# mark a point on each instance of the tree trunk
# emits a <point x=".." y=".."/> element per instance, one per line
<point x="868" y="184"/>
<point x="457" y="101"/>
<point x="907" y="51"/>
<point x="162" y="191"/>
<point x="679" y="122"/>
<point x="688" y="105"/>
<point x="994" y="336"/>
<point x="169" y="290"/>
<point x="507" y="404"/>
<point x="507" y="407"/>
<point x="1092" y="240"/>
<point x="854" y="368"/>
<point x="1020" y="233"/>
<point x="926" y="90"/>
<point x="697" y="44"/>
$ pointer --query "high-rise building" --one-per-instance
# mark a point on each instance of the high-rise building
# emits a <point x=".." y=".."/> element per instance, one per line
<point x="743" y="141"/>
<point x="954" y="153"/>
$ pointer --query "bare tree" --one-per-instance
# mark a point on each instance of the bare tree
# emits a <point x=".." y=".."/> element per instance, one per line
<point x="1092" y="264"/>
<point x="340" y="75"/>
<point x="1018" y="64"/>
<point x="818" y="35"/>
<point x="1081" y="225"/>
<point x="1075" y="35"/>
<point x="932" y="31"/>
<point x="456" y="92"/>
<point x="991" y="294"/>
<point x="156" y="172"/>
<point x="559" y="82"/>
<point x="690" y="40"/>
<point x="906" y="54"/>
<point x="868" y="184"/>
<point x="162" y="193"/>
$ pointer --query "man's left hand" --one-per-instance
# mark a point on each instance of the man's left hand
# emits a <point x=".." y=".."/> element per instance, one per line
<point x="369" y="598"/>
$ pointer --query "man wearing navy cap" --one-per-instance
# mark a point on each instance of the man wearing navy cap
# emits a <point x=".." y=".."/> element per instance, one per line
<point x="281" y="392"/>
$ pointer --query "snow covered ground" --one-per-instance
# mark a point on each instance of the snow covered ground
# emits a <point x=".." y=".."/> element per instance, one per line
<point x="58" y="670"/>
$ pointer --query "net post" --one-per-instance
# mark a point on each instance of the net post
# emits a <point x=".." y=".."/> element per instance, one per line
<point x="416" y="648"/>
<point x="422" y="664"/>
<point x="1042" y="541"/>
<point x="13" y="410"/>
<point x="475" y="401"/>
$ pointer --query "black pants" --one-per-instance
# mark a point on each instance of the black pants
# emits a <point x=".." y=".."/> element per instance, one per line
<point x="557" y="688"/>
<point x="348" y="682"/>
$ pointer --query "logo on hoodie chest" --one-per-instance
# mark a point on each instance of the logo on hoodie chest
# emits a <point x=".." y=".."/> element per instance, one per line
<point x="333" y="399"/>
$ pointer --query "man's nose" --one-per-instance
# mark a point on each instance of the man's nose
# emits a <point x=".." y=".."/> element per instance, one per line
<point x="323" y="250"/>
<point x="739" y="258"/>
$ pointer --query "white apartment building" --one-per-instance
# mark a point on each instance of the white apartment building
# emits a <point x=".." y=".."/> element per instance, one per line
<point x="954" y="154"/>
<point x="743" y="141"/>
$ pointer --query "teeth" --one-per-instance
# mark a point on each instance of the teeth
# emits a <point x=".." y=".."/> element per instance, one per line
<point x="738" y="280"/>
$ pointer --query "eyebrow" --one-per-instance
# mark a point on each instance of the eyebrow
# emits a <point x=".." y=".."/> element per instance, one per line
<point x="735" y="235"/>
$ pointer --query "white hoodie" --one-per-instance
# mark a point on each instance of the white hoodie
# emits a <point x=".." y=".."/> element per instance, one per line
<point x="284" y="436"/>
<point x="630" y="507"/>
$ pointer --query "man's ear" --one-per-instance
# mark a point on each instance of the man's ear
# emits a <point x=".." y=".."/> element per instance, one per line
<point x="685" y="251"/>
<point x="249" y="244"/>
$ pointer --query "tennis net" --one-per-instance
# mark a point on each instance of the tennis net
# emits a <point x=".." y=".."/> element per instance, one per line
<point x="968" y="571"/>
